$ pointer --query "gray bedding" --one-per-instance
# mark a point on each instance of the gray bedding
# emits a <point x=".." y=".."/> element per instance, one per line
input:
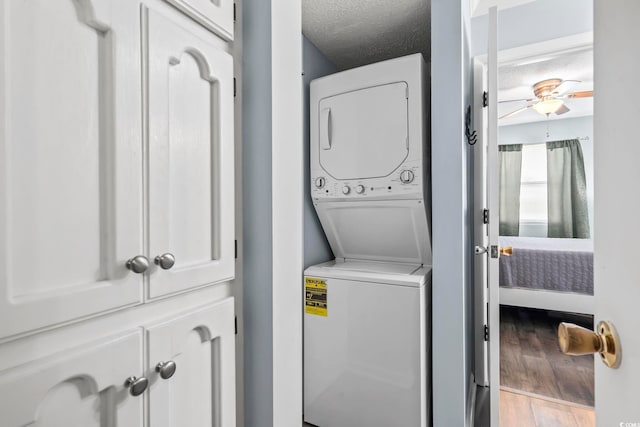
<point x="549" y="269"/>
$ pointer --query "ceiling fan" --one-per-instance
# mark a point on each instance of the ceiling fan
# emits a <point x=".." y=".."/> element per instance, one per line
<point x="549" y="97"/>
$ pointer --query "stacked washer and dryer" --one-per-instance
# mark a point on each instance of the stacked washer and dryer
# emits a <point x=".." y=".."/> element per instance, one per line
<point x="367" y="313"/>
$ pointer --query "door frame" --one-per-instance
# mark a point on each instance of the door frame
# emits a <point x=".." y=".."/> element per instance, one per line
<point x="490" y="309"/>
<point x="287" y="215"/>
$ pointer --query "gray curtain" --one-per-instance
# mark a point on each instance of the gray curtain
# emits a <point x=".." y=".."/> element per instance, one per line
<point x="567" y="190"/>
<point x="510" y="161"/>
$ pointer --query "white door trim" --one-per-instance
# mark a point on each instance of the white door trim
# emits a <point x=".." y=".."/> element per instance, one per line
<point x="287" y="205"/>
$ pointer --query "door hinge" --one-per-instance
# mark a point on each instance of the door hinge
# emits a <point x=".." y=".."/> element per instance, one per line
<point x="234" y="12"/>
<point x="235" y="248"/>
<point x="486" y="333"/>
<point x="485" y="99"/>
<point x="234" y="87"/>
<point x="485" y="216"/>
<point x="235" y="325"/>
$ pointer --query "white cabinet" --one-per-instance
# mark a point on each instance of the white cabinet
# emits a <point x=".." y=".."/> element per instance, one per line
<point x="80" y="387"/>
<point x="87" y="385"/>
<point x="191" y="188"/>
<point x="70" y="160"/>
<point x="116" y="144"/>
<point x="99" y="158"/>
<point x="217" y="15"/>
<point x="201" y="391"/>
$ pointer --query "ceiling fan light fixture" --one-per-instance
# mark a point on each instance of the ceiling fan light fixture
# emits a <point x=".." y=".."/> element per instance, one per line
<point x="548" y="106"/>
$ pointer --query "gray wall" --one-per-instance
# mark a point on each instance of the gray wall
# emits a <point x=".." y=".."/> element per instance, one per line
<point x="256" y="216"/>
<point x="316" y="247"/>
<point x="451" y="223"/>
<point x="531" y="133"/>
<point x="534" y="22"/>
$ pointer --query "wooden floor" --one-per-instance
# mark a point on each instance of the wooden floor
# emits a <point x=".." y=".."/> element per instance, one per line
<point x="524" y="410"/>
<point x="531" y="361"/>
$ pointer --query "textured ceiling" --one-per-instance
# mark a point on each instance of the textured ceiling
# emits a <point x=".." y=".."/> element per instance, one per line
<point x="357" y="32"/>
<point x="516" y="80"/>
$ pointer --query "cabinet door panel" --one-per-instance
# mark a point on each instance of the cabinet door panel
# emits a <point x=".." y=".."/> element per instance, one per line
<point x="216" y="15"/>
<point x="202" y="390"/>
<point x="70" y="160"/>
<point x="82" y="387"/>
<point x="190" y="84"/>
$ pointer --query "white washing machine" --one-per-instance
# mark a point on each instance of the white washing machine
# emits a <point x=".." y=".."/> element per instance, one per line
<point x="366" y="325"/>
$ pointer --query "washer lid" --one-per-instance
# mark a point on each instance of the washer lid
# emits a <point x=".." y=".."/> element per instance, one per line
<point x="384" y="273"/>
<point x="384" y="230"/>
<point x="364" y="133"/>
<point x="377" y="267"/>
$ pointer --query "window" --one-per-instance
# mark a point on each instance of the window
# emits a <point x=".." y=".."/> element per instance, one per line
<point x="533" y="188"/>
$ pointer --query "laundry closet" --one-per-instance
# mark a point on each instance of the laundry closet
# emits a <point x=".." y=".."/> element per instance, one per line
<point x="367" y="308"/>
<point x="117" y="213"/>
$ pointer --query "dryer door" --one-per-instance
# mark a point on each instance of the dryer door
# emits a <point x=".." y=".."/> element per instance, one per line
<point x="364" y="133"/>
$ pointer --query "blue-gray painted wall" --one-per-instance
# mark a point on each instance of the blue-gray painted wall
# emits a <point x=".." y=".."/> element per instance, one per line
<point x="451" y="164"/>
<point x="534" y="22"/>
<point x="256" y="215"/>
<point x="316" y="247"/>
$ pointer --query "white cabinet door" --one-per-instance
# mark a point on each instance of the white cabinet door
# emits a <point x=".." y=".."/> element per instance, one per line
<point x="201" y="392"/>
<point x="217" y="15"/>
<point x="191" y="157"/>
<point x="70" y="160"/>
<point x="82" y="387"/>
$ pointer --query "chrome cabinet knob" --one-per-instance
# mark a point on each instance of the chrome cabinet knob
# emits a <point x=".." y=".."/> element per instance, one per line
<point x="136" y="385"/>
<point x="165" y="261"/>
<point x="166" y="369"/>
<point x="138" y="264"/>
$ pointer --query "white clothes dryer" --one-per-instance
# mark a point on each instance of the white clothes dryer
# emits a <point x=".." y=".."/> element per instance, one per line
<point x="369" y="161"/>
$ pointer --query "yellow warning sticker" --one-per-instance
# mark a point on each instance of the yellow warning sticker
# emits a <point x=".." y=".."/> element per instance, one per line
<point x="315" y="300"/>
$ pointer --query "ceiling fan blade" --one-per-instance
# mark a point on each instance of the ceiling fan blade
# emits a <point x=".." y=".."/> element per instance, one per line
<point x="563" y="109"/>
<point x="513" y="113"/>
<point x="582" y="94"/>
<point x="564" y="87"/>
<point x="517" y="100"/>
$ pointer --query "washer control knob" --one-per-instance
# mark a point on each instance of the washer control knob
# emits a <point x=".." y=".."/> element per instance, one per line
<point x="360" y="189"/>
<point x="320" y="182"/>
<point x="406" y="176"/>
<point x="346" y="190"/>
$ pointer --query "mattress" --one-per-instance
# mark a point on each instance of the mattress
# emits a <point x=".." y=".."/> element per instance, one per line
<point x="564" y="265"/>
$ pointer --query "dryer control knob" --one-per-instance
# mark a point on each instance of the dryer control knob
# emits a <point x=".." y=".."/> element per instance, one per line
<point x="320" y="182"/>
<point x="360" y="189"/>
<point x="346" y="190"/>
<point x="406" y="176"/>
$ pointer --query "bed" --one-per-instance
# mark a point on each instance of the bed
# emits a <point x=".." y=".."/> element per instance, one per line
<point x="548" y="273"/>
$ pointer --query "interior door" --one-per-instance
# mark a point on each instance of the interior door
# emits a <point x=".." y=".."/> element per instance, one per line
<point x="191" y="158"/>
<point x="494" y="220"/>
<point x="70" y="156"/>
<point x="198" y="389"/>
<point x="80" y="387"/>
<point x="616" y="226"/>
<point x="617" y="203"/>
